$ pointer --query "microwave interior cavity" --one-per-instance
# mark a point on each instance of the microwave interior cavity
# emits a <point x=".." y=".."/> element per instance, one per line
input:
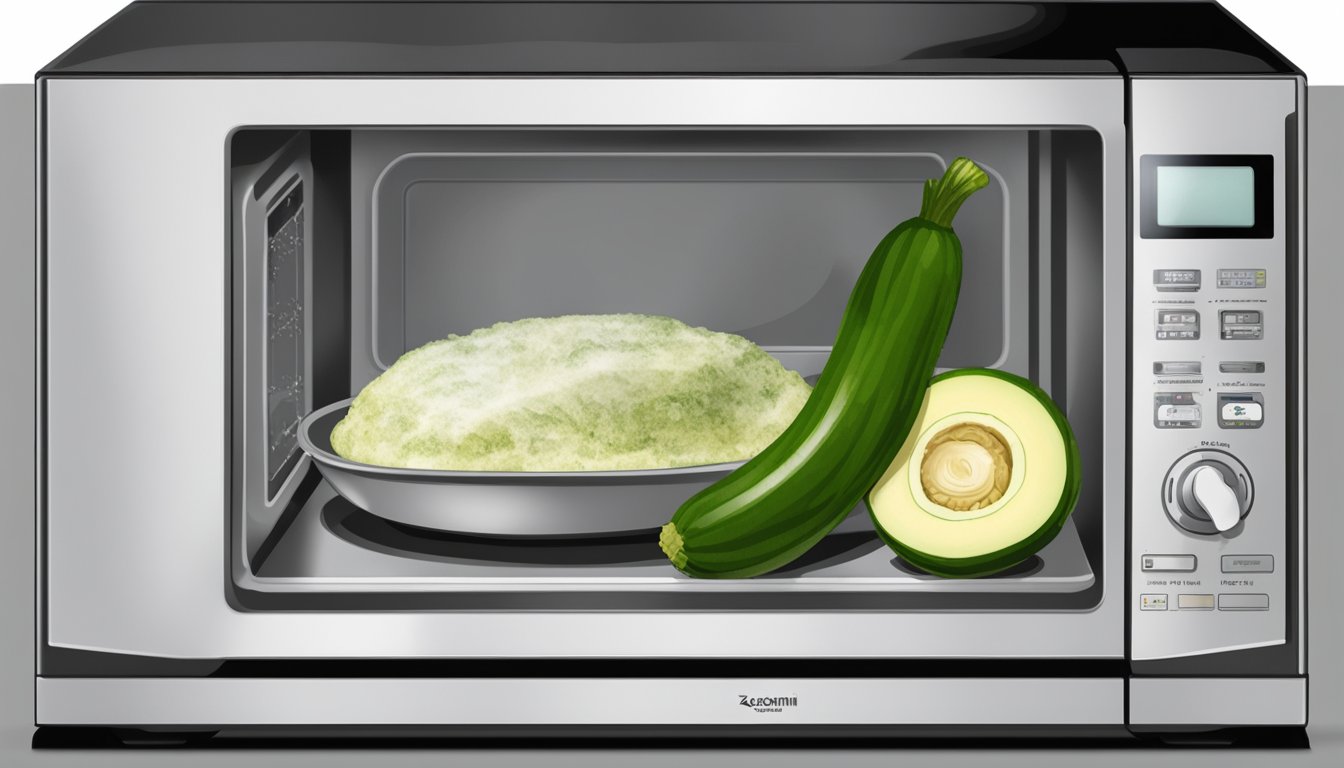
<point x="352" y="246"/>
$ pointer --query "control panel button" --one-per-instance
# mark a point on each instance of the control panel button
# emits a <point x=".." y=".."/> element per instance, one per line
<point x="1176" y="324"/>
<point x="1194" y="602"/>
<point x="1176" y="410"/>
<point x="1241" y="601"/>
<point x="1200" y="490"/>
<point x="1169" y="416"/>
<point x="1242" y="324"/>
<point x="1153" y="602"/>
<point x="1215" y="497"/>
<point x="1241" y="366"/>
<point x="1241" y="278"/>
<point x="1176" y="280"/>
<point x="1177" y="563"/>
<point x="1248" y="563"/>
<point x="1178" y="368"/>
<point x="1241" y="410"/>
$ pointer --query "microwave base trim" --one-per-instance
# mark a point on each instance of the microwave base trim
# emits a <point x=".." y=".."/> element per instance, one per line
<point x="1145" y="704"/>
<point x="224" y="702"/>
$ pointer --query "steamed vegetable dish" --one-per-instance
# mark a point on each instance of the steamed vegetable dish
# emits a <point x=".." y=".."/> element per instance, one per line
<point x="573" y="393"/>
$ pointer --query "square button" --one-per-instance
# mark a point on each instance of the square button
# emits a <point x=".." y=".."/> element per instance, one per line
<point x="1178" y="563"/>
<point x="1241" y="410"/>
<point x="1248" y="563"/>
<point x="1241" y="366"/>
<point x="1241" y="278"/>
<point x="1242" y="324"/>
<point x="1194" y="602"/>
<point x="1181" y="280"/>
<point x="1241" y="601"/>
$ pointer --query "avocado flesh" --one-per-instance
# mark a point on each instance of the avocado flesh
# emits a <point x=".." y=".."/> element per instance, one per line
<point x="987" y="478"/>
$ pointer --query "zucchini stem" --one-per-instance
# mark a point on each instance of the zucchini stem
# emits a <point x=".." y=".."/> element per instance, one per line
<point x="943" y="197"/>
<point x="671" y="542"/>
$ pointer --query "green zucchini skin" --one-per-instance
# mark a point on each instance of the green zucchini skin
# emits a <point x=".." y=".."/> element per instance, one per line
<point x="991" y="563"/>
<point x="782" y="502"/>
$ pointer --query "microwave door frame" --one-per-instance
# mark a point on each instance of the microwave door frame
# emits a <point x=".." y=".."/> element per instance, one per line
<point x="135" y="506"/>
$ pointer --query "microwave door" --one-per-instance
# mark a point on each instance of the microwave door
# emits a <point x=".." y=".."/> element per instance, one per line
<point x="186" y="516"/>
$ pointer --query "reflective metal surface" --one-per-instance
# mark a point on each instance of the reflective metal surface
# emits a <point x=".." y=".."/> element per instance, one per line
<point x="332" y="548"/>
<point x="571" y="701"/>
<point x="1210" y="117"/>
<point x="759" y="232"/>
<point x="1218" y="701"/>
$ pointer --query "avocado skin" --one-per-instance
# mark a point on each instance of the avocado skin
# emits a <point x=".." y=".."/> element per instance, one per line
<point x="994" y="562"/>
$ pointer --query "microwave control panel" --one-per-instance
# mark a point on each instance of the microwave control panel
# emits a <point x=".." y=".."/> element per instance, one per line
<point x="1214" y="262"/>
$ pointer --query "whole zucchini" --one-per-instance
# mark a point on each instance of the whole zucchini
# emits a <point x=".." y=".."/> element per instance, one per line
<point x="780" y="503"/>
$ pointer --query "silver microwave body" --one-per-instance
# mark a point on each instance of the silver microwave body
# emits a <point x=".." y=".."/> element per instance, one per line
<point x="178" y="528"/>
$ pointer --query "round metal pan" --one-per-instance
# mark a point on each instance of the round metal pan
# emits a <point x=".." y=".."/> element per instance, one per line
<point x="518" y="504"/>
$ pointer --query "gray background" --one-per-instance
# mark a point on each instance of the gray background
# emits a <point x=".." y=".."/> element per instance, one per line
<point x="1326" y="638"/>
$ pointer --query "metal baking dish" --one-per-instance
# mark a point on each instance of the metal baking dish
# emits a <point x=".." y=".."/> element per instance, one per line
<point x="534" y="504"/>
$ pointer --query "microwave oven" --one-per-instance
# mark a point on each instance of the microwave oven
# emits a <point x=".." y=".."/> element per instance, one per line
<point x="248" y="211"/>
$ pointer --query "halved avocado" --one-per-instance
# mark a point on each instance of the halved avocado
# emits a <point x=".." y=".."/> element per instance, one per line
<point x="987" y="477"/>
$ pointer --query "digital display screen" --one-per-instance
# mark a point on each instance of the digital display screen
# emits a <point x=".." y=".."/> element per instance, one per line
<point x="1205" y="196"/>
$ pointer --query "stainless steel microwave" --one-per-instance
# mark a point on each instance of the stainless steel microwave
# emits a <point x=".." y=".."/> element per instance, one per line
<point x="248" y="211"/>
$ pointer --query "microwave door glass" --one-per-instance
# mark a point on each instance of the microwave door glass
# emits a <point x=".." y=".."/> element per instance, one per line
<point x="286" y="380"/>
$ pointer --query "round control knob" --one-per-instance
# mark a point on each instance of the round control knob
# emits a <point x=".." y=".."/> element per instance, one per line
<point x="1207" y="492"/>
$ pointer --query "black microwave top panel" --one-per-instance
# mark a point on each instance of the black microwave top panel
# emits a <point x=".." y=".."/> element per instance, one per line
<point x="316" y="37"/>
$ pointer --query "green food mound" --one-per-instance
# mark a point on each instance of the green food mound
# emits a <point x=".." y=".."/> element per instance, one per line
<point x="573" y="393"/>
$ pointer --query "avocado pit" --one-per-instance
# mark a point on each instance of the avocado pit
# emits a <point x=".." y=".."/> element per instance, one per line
<point x="965" y="467"/>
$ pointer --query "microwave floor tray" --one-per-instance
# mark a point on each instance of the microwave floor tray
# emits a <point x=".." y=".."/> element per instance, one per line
<point x="333" y="546"/>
